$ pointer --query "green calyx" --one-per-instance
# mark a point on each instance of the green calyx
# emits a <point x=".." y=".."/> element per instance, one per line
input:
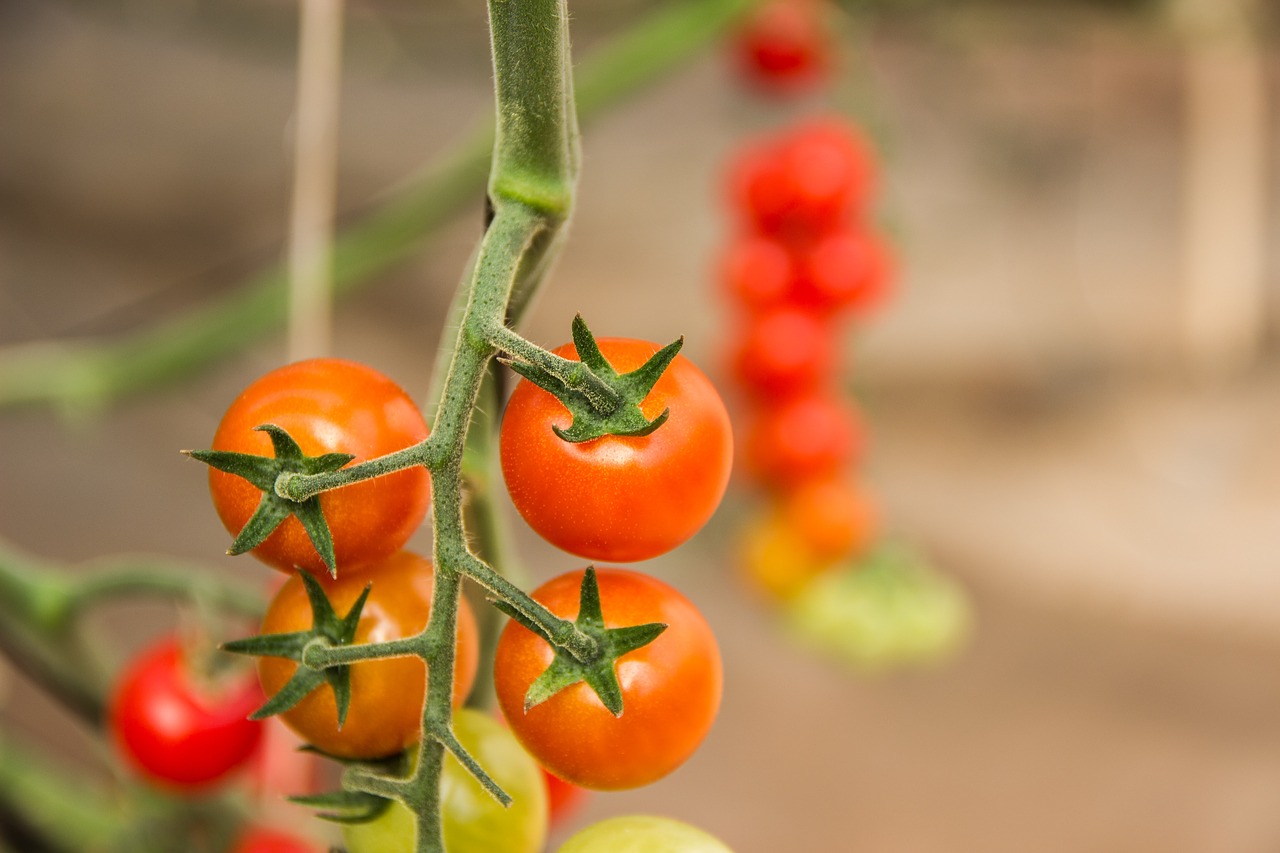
<point x="327" y="628"/>
<point x="609" y="407"/>
<point x="262" y="472"/>
<point x="600" y="672"/>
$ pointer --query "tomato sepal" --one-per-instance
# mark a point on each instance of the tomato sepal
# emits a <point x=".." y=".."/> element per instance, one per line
<point x="262" y="472"/>
<point x="599" y="673"/>
<point x="593" y="415"/>
<point x="327" y="628"/>
<point x="343" y="806"/>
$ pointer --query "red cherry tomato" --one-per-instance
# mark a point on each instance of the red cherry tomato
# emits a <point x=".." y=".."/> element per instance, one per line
<point x="849" y="268"/>
<point x="670" y="688"/>
<point x="385" y="714"/>
<point x="832" y="517"/>
<point x="328" y="406"/>
<point x="563" y="798"/>
<point x="784" y="46"/>
<point x="757" y="272"/>
<point x="782" y="353"/>
<point x="808" y="437"/>
<point x="260" y="840"/>
<point x="178" y="731"/>
<point x="620" y="498"/>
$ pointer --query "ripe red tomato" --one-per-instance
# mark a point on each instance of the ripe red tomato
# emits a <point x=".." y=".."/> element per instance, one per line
<point x="620" y="498"/>
<point x="385" y="713"/>
<point x="259" y="840"/>
<point x="177" y="730"/>
<point x="782" y="353"/>
<point x="849" y="268"/>
<point x="670" y="688"/>
<point x="563" y="798"/>
<point x="833" y="517"/>
<point x="806" y="437"/>
<point x="328" y="406"/>
<point x="784" y="46"/>
<point x="804" y="183"/>
<point x="757" y="272"/>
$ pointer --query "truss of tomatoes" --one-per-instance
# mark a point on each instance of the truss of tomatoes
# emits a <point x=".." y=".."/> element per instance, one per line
<point x="621" y="483"/>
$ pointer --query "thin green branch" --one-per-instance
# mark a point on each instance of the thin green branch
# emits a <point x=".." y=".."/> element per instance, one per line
<point x="574" y="374"/>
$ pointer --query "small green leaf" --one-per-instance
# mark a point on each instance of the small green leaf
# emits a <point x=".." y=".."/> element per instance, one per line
<point x="287" y="450"/>
<point x="345" y="807"/>
<point x="589" y="351"/>
<point x="304" y="680"/>
<point x="311" y="516"/>
<point x="643" y="378"/>
<point x="265" y="519"/>
<point x="261" y="471"/>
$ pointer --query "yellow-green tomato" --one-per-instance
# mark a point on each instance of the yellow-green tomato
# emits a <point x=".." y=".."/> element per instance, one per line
<point x="643" y="834"/>
<point x="474" y="822"/>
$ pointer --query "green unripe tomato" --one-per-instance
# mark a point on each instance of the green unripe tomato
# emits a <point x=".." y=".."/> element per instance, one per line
<point x="474" y="822"/>
<point x="643" y="834"/>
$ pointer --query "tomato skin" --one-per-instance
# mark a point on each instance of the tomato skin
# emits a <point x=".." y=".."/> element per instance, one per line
<point x="620" y="498"/>
<point x="474" y="822"/>
<point x="643" y="834"/>
<point x="176" y="732"/>
<point x="832" y="517"/>
<point x="259" y="840"/>
<point x="783" y="47"/>
<point x="328" y="406"/>
<point x="385" y="713"/>
<point x="757" y="272"/>
<point x="847" y="269"/>
<point x="776" y="560"/>
<point x="563" y="798"/>
<point x="671" y="688"/>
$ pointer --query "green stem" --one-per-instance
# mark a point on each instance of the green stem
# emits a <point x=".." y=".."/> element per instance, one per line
<point x="69" y="816"/>
<point x="89" y="374"/>
<point x="573" y="374"/>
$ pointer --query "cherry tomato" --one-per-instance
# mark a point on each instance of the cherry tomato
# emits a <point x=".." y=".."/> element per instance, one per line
<point x="832" y="517"/>
<point x="757" y="272"/>
<point x="328" y="406"/>
<point x="385" y="713"/>
<point x="804" y="183"/>
<point x="259" y="840"/>
<point x="849" y="268"/>
<point x="810" y="436"/>
<point x="643" y="834"/>
<point x="474" y="822"/>
<point x="782" y="353"/>
<point x="776" y="560"/>
<point x="179" y="731"/>
<point x="784" y="46"/>
<point x="620" y="498"/>
<point x="670" y="687"/>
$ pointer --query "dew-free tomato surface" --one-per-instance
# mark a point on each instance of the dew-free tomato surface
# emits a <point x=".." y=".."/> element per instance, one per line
<point x="328" y="406"/>
<point x="474" y="822"/>
<point x="671" y="688"/>
<point x="643" y="834"/>
<point x="178" y="730"/>
<point x="386" y="695"/>
<point x="620" y="498"/>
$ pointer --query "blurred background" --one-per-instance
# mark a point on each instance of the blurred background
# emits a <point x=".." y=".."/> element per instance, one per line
<point x="1074" y="399"/>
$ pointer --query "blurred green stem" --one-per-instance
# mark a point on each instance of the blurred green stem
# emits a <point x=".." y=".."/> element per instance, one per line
<point x="85" y="375"/>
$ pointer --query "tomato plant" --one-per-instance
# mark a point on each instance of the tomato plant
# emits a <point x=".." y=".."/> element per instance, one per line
<point x="327" y="406"/>
<point x="177" y="729"/>
<point x="474" y="822"/>
<point x="670" y="687"/>
<point x="619" y="497"/>
<point x="386" y="695"/>
<point x="643" y="834"/>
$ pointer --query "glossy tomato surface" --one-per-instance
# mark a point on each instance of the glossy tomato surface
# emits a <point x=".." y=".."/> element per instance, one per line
<point x="620" y="498"/>
<point x="643" y="834"/>
<point x="474" y="822"/>
<point x="328" y="406"/>
<point x="179" y="730"/>
<point x="670" y="688"/>
<point x="385" y="713"/>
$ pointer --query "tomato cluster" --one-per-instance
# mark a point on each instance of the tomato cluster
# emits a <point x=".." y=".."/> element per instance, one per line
<point x="804" y="259"/>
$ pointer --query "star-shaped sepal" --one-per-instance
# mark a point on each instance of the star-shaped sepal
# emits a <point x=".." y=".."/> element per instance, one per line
<point x="262" y="472"/>
<point x="600" y="674"/>
<point x="594" y="414"/>
<point x="327" y="628"/>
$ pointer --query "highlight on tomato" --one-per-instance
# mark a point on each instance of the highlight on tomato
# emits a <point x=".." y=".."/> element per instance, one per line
<point x="327" y="406"/>
<point x="387" y="695"/>
<point x="620" y="498"/>
<point x="179" y="729"/>
<point x="474" y="822"/>
<point x="670" y="688"/>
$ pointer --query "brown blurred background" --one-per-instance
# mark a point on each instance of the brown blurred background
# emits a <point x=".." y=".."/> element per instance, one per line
<point x="1105" y="484"/>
